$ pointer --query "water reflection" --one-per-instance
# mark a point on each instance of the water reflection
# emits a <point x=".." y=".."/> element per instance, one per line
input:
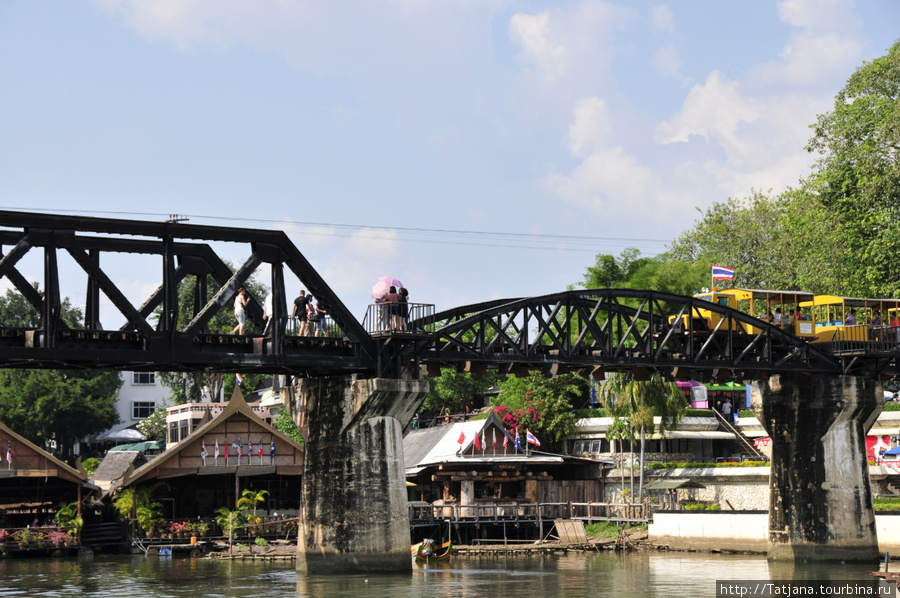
<point x="644" y="574"/>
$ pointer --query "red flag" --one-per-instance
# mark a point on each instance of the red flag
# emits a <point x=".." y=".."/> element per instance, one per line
<point x="477" y="443"/>
<point x="505" y="440"/>
<point x="462" y="437"/>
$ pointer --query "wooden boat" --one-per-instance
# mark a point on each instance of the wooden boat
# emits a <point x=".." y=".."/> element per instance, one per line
<point x="426" y="552"/>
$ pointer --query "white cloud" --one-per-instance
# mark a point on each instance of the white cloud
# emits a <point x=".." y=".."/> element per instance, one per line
<point x="532" y="33"/>
<point x="662" y="18"/>
<point x="666" y="61"/>
<point x="713" y="110"/>
<point x="590" y="126"/>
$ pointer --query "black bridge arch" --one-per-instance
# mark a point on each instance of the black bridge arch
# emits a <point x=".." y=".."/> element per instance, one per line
<point x="615" y="329"/>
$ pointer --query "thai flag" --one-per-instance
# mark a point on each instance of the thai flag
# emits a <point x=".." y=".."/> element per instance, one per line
<point x="531" y="438"/>
<point x="722" y="273"/>
<point x="239" y="378"/>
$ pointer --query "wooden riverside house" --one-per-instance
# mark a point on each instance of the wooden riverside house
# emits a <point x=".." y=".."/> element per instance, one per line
<point x="487" y="490"/>
<point x="195" y="486"/>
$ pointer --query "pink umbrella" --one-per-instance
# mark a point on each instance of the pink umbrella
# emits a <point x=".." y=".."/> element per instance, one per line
<point x="380" y="289"/>
<point x="392" y="282"/>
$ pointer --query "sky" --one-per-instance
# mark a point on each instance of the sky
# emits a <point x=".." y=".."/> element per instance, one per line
<point x="473" y="149"/>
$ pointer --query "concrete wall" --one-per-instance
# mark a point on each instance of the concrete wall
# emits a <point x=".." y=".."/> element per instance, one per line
<point x="742" y="532"/>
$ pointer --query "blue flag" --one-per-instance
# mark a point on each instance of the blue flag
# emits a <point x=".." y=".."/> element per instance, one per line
<point x="518" y="443"/>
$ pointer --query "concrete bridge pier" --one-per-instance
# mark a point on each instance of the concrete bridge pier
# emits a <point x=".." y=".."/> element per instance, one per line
<point x="354" y="515"/>
<point x="820" y="506"/>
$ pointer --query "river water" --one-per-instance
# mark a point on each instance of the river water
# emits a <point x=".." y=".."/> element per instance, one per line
<point x="623" y="575"/>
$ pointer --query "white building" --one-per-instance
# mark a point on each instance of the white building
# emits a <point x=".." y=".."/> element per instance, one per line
<point x="141" y="394"/>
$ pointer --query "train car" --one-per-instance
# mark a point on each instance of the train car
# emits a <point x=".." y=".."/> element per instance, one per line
<point x="856" y="319"/>
<point x="781" y="306"/>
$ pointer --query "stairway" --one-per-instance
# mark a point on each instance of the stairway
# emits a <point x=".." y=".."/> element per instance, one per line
<point x="746" y="443"/>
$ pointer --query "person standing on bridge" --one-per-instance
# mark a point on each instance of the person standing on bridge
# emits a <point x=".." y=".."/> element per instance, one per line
<point x="240" y="304"/>
<point x="321" y="312"/>
<point x="403" y="308"/>
<point x="299" y="312"/>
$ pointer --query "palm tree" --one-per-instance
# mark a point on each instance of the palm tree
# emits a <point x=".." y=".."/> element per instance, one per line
<point x="621" y="430"/>
<point x="640" y="400"/>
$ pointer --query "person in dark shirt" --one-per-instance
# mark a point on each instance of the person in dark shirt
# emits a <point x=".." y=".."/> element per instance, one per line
<point x="299" y="312"/>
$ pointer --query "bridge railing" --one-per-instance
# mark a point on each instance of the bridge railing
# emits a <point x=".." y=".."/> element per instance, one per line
<point x="393" y="319"/>
<point x="420" y="513"/>
<point x="863" y="338"/>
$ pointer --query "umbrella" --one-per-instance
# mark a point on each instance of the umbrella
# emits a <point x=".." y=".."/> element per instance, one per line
<point x="125" y="434"/>
<point x="392" y="282"/>
<point x="383" y="286"/>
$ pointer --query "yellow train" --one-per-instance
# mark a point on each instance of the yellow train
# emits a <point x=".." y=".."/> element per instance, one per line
<point x="816" y="318"/>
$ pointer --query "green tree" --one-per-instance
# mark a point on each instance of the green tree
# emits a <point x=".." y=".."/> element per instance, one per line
<point x="64" y="405"/>
<point x="196" y="387"/>
<point x="284" y="423"/>
<point x="610" y="271"/>
<point x="154" y="426"/>
<point x="17" y="312"/>
<point x="839" y="231"/>
<point x="858" y="172"/>
<point x="639" y="401"/>
<point x="61" y="405"/>
<point x="453" y="390"/>
<point x="542" y="405"/>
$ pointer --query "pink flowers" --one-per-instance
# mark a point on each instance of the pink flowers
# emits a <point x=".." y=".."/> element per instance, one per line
<point x="57" y="536"/>
<point x="179" y="526"/>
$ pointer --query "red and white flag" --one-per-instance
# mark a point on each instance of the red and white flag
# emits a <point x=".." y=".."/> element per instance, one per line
<point x="531" y="438"/>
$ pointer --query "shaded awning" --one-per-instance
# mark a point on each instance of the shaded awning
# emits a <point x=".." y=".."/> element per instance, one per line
<point x="149" y="445"/>
<point x="695" y="435"/>
<point x="673" y="484"/>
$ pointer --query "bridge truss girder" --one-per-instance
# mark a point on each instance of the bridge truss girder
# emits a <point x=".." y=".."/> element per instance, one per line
<point x="141" y="344"/>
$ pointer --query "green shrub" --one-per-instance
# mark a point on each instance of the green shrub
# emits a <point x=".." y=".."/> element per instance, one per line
<point x="90" y="465"/>
<point x="609" y="529"/>
<point x="887" y="503"/>
<point x="683" y="465"/>
<point x="892" y="406"/>
<point x="694" y="506"/>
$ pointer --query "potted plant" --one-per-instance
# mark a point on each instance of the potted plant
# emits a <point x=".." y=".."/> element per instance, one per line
<point x="40" y="538"/>
<point x="179" y="528"/>
<point x="5" y="536"/>
<point x="58" y="538"/>
<point x="67" y="517"/>
<point x="24" y="537"/>
<point x="229" y="521"/>
<point x="201" y="528"/>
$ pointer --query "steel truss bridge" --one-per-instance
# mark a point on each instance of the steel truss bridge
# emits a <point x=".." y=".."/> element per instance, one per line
<point x="588" y="330"/>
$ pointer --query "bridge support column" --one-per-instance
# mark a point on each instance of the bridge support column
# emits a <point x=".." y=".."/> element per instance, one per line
<point x="354" y="515"/>
<point x="820" y="505"/>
